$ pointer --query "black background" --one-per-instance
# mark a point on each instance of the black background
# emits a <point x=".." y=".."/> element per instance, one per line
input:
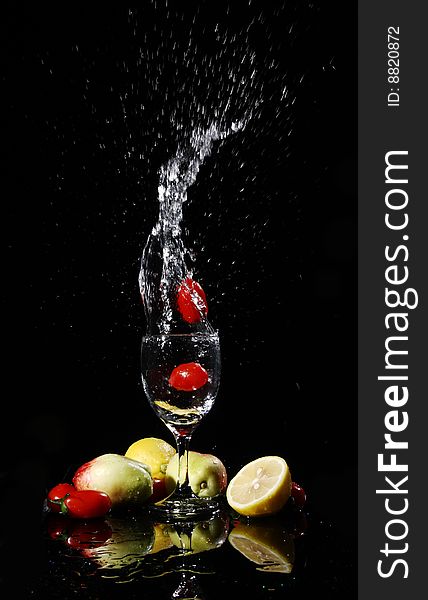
<point x="80" y="201"/>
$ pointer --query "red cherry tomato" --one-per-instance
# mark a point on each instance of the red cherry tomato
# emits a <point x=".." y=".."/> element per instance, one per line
<point x="191" y="301"/>
<point x="86" y="504"/>
<point x="298" y="494"/>
<point x="57" y="493"/>
<point x="159" y="491"/>
<point x="188" y="377"/>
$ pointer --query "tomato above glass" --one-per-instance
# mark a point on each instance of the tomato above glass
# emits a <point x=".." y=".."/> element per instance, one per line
<point x="192" y="301"/>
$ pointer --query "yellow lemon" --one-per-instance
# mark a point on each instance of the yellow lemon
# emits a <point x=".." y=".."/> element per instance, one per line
<point x="153" y="452"/>
<point x="270" y="547"/>
<point x="261" y="487"/>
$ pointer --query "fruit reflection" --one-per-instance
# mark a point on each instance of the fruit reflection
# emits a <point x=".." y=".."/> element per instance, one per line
<point x="162" y="538"/>
<point x="78" y="534"/>
<point x="132" y="547"/>
<point x="267" y="544"/>
<point x="130" y="540"/>
<point x="200" y="536"/>
<point x="116" y="543"/>
<point x="192" y="539"/>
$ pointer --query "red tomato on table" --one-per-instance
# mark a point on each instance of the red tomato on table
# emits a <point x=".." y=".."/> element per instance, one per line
<point x="57" y="493"/>
<point x="298" y="494"/>
<point x="159" y="490"/>
<point x="87" y="504"/>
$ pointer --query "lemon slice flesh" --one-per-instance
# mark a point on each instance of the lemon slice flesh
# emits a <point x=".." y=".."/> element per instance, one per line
<point x="261" y="487"/>
<point x="176" y="409"/>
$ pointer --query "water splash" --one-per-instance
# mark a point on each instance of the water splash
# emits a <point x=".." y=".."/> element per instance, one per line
<point x="166" y="261"/>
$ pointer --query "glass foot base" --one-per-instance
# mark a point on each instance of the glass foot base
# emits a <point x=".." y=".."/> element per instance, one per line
<point x="188" y="509"/>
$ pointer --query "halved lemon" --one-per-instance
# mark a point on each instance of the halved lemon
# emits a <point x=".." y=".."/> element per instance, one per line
<point x="261" y="487"/>
<point x="268" y="546"/>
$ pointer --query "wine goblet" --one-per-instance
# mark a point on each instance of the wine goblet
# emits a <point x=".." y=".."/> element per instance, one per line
<point x="181" y="376"/>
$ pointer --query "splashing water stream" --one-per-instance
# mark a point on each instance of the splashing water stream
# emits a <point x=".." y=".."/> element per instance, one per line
<point x="165" y="261"/>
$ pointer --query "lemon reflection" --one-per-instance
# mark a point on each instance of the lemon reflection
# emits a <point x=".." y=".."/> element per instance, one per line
<point x="162" y="539"/>
<point x="266" y="544"/>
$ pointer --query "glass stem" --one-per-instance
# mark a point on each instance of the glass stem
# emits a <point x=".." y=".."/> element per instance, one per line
<point x="183" y="489"/>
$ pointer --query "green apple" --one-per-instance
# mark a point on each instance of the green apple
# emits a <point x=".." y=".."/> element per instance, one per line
<point x="207" y="474"/>
<point x="205" y="535"/>
<point x="126" y="481"/>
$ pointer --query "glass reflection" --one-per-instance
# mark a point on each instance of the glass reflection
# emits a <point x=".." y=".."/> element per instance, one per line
<point x="138" y="548"/>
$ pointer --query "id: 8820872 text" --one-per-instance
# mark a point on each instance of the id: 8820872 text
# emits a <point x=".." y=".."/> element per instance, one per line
<point x="393" y="67"/>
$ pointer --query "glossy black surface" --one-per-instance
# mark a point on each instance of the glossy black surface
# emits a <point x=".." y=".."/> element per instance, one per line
<point x="132" y="556"/>
<point x="272" y="220"/>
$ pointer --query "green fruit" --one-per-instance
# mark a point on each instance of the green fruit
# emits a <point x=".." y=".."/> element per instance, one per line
<point x="207" y="474"/>
<point x="126" y="481"/>
<point x="206" y="535"/>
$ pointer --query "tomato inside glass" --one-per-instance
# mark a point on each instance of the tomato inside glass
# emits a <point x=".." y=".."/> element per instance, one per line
<point x="188" y="377"/>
